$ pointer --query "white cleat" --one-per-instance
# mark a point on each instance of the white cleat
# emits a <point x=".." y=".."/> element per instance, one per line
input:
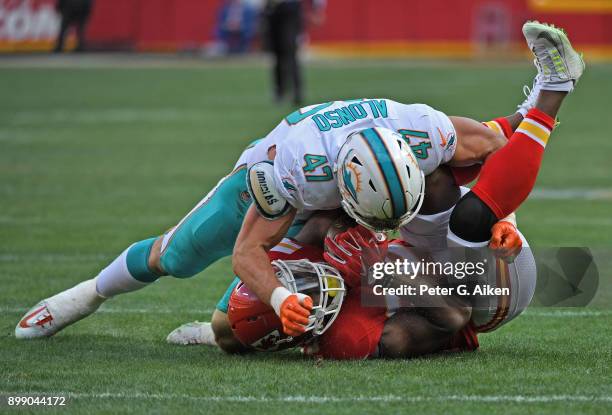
<point x="193" y="333"/>
<point x="531" y="96"/>
<point x="559" y="65"/>
<point x="54" y="313"/>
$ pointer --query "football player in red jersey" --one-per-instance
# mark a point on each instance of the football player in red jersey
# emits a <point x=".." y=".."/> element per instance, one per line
<point x="360" y="331"/>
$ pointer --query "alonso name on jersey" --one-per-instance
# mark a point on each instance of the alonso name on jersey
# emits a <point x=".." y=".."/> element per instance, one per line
<point x="307" y="144"/>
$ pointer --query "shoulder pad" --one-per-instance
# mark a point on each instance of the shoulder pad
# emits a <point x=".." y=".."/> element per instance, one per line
<point x="269" y="202"/>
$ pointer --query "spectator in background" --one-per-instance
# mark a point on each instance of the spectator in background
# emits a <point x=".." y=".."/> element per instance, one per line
<point x="236" y="26"/>
<point x="73" y="13"/>
<point x="284" y="28"/>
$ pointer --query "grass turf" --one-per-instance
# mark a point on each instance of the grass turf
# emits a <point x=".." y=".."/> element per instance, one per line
<point x="94" y="159"/>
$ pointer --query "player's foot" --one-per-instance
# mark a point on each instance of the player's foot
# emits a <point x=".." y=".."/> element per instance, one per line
<point x="531" y="96"/>
<point x="559" y="65"/>
<point x="193" y="333"/>
<point x="54" y="313"/>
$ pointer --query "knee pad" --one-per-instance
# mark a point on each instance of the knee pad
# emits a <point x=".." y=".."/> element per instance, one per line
<point x="471" y="219"/>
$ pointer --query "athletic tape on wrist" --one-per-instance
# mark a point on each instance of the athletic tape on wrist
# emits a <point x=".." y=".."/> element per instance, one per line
<point x="278" y="297"/>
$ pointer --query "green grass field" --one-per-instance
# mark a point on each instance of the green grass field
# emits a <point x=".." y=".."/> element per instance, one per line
<point x="93" y="159"/>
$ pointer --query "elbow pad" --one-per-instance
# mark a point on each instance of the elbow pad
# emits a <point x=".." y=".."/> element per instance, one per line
<point x="269" y="202"/>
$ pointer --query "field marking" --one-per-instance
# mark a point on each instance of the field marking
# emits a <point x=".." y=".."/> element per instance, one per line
<point x="136" y="310"/>
<point x="567" y="313"/>
<point x="112" y="115"/>
<point x="54" y="257"/>
<point x="571" y="194"/>
<point x="127" y="310"/>
<point x="542" y="193"/>
<point x="327" y="399"/>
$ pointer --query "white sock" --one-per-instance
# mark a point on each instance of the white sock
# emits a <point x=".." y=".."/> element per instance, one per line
<point x="116" y="278"/>
<point x="567" y="86"/>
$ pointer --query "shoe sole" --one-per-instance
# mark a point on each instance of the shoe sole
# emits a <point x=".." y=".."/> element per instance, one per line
<point x="562" y="43"/>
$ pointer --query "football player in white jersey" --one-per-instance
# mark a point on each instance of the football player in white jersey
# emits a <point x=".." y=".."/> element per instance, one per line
<point x="354" y="154"/>
<point x="378" y="188"/>
<point x="367" y="331"/>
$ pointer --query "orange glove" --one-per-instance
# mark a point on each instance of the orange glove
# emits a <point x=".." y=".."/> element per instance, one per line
<point x="505" y="241"/>
<point x="293" y="310"/>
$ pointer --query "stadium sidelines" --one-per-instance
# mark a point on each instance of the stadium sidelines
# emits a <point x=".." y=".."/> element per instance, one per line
<point x="329" y="399"/>
<point x="157" y="310"/>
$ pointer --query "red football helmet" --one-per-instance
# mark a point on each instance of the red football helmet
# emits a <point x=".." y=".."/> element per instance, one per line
<point x="256" y="324"/>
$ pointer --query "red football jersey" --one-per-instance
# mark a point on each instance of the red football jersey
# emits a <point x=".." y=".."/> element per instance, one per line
<point x="288" y="249"/>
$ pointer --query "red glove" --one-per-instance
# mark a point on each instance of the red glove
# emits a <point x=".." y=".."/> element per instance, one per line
<point x="505" y="241"/>
<point x="353" y="252"/>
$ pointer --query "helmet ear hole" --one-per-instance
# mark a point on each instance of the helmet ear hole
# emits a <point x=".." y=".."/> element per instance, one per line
<point x="379" y="178"/>
<point x="372" y="185"/>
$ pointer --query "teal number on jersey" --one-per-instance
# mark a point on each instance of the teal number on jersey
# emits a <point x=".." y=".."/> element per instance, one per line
<point x="420" y="150"/>
<point x="312" y="163"/>
<point x="297" y="116"/>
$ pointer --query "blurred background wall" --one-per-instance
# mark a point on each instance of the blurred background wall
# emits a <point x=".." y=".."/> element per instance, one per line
<point x="428" y="28"/>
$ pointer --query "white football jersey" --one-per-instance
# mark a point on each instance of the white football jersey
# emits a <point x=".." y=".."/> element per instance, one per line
<point x="308" y="141"/>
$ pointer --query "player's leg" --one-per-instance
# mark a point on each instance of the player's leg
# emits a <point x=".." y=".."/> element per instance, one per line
<point x="224" y="336"/>
<point x="128" y="272"/>
<point x="496" y="132"/>
<point x="206" y="234"/>
<point x="209" y="231"/>
<point x="491" y="312"/>
<point x="509" y="175"/>
<point x="217" y="332"/>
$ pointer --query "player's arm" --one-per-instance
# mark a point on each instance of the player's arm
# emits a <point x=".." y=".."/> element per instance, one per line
<point x="264" y="226"/>
<point x="475" y="142"/>
<point x="252" y="265"/>
<point x="250" y="257"/>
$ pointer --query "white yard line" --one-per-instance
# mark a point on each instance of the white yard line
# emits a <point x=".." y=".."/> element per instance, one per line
<point x="542" y="193"/>
<point x="567" y="313"/>
<point x="157" y="310"/>
<point x="111" y="115"/>
<point x="326" y="399"/>
<point x="58" y="257"/>
<point x="571" y="194"/>
<point x="127" y="310"/>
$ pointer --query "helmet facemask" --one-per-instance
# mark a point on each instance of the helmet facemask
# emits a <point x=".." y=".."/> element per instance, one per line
<point x="321" y="282"/>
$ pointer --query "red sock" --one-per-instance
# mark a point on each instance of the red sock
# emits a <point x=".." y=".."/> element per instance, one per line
<point x="465" y="175"/>
<point x="501" y="125"/>
<point x="509" y="174"/>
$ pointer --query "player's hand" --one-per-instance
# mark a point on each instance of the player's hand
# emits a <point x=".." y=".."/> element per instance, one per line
<point x="353" y="252"/>
<point x="294" y="313"/>
<point x="505" y="241"/>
